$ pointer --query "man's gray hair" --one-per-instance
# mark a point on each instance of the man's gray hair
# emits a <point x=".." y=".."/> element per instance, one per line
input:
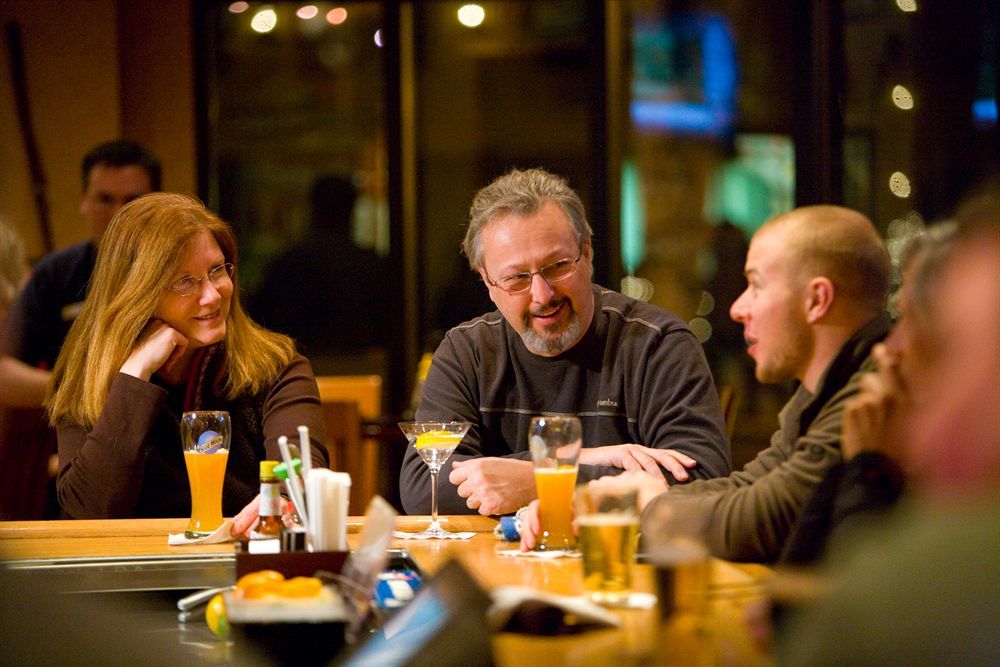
<point x="924" y="257"/>
<point x="521" y="193"/>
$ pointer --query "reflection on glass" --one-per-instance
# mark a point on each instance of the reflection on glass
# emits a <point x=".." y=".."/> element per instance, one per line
<point x="707" y="158"/>
<point x="899" y="184"/>
<point x="264" y="21"/>
<point x="336" y="16"/>
<point x="303" y="103"/>
<point x="902" y="97"/>
<point x="471" y="15"/>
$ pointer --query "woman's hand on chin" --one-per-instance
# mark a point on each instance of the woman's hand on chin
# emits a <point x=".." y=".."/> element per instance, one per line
<point x="159" y="346"/>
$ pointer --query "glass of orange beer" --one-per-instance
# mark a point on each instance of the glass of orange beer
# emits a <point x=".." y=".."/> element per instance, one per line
<point x="205" y="437"/>
<point x="555" y="447"/>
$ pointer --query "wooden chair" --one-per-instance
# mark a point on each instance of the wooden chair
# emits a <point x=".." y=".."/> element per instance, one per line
<point x="348" y="402"/>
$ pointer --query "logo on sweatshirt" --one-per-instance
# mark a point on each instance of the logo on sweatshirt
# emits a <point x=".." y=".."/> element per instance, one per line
<point x="607" y="403"/>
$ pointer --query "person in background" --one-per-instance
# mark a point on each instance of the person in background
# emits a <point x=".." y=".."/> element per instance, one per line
<point x="924" y="587"/>
<point x="114" y="173"/>
<point x="559" y="344"/>
<point x="13" y="266"/>
<point x="162" y="332"/>
<point x="340" y="289"/>
<point x="14" y="502"/>
<point x="817" y="281"/>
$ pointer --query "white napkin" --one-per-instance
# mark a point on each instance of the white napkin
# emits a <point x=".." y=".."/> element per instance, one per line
<point x="220" y="534"/>
<point x="551" y="553"/>
<point x="420" y="536"/>
<point x="632" y="601"/>
<point x="327" y="496"/>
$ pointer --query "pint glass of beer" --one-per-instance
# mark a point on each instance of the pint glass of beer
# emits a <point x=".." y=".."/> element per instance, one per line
<point x="608" y="525"/>
<point x="680" y="557"/>
<point x="205" y="437"/>
<point x="555" y="447"/>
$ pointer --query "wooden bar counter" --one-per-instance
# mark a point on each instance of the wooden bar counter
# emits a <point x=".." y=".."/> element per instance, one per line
<point x="722" y="639"/>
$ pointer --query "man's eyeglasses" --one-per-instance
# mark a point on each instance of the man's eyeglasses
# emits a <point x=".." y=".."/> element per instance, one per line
<point x="517" y="283"/>
<point x="188" y="285"/>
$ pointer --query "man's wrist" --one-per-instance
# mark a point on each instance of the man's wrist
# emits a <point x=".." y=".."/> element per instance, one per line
<point x="649" y="492"/>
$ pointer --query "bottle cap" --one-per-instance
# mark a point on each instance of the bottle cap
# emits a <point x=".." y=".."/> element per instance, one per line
<point x="281" y="470"/>
<point x="267" y="468"/>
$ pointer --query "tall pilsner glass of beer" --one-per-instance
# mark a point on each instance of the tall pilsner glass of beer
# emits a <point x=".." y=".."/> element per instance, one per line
<point x="608" y="523"/>
<point x="205" y="436"/>
<point x="555" y="447"/>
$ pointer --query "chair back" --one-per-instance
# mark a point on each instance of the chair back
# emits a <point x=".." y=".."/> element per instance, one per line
<point x="348" y="401"/>
<point x="365" y="390"/>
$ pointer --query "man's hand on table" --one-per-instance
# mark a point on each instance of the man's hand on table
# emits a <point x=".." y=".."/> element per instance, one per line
<point x="492" y="485"/>
<point x="646" y="486"/>
<point x="639" y="457"/>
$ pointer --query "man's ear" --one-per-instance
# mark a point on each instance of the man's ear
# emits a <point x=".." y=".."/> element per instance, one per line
<point x="820" y="294"/>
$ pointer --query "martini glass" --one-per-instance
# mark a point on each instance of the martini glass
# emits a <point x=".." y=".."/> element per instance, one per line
<point x="434" y="441"/>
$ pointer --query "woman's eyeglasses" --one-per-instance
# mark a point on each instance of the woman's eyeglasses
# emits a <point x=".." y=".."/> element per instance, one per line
<point x="188" y="285"/>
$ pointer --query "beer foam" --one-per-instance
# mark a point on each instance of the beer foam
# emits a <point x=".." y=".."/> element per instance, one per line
<point x="608" y="519"/>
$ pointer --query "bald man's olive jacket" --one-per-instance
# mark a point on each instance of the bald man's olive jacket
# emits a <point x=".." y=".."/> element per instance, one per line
<point x="748" y="515"/>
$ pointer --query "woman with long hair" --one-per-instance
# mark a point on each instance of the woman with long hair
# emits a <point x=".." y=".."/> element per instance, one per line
<point x="160" y="333"/>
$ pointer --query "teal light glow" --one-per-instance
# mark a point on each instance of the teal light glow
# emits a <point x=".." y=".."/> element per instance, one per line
<point x="633" y="222"/>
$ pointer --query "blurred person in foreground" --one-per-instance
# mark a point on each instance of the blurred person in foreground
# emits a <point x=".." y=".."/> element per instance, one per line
<point x="925" y="587"/>
<point x="817" y="281"/>
<point x="559" y="344"/>
<point x="114" y="173"/>
<point x="160" y="333"/>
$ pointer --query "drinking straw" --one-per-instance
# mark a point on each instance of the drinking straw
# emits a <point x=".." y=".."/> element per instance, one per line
<point x="293" y="482"/>
<point x="305" y="450"/>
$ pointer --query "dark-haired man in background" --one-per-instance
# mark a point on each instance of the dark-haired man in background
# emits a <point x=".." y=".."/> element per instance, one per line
<point x="114" y="173"/>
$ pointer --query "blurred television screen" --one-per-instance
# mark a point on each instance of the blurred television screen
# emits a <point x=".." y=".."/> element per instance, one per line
<point x="684" y="74"/>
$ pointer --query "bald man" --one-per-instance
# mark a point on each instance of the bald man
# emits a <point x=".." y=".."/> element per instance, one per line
<point x="818" y="278"/>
